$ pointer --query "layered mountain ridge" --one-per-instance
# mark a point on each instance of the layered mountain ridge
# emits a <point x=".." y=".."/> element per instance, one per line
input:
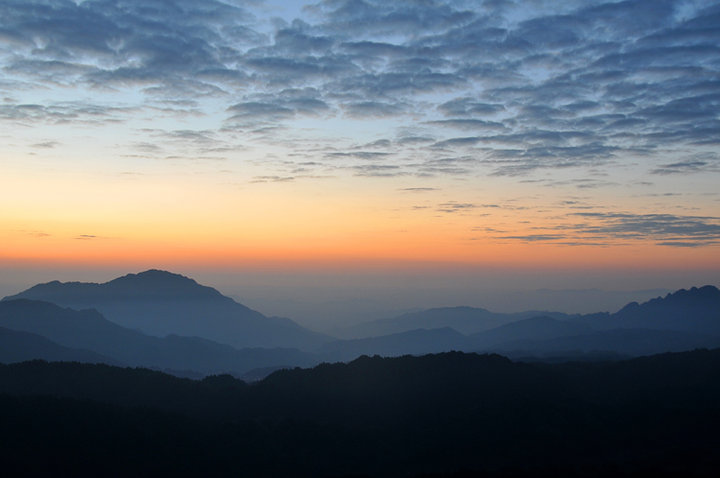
<point x="75" y="332"/>
<point x="168" y="321"/>
<point x="161" y="303"/>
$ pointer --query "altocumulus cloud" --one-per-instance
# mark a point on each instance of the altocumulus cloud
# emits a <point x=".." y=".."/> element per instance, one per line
<point x="520" y="87"/>
<point x="603" y="228"/>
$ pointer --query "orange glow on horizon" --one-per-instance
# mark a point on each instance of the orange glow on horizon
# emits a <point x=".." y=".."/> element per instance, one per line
<point x="356" y="253"/>
<point x="149" y="223"/>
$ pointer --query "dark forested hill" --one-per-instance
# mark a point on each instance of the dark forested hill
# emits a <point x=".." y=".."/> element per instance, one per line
<point x="161" y="303"/>
<point x="375" y="417"/>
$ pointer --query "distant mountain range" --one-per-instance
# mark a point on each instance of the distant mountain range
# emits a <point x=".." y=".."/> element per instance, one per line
<point x="161" y="303"/>
<point x="466" y="320"/>
<point x="413" y="342"/>
<point x="17" y="346"/>
<point x="68" y="334"/>
<point x="684" y="320"/>
<point x="170" y="322"/>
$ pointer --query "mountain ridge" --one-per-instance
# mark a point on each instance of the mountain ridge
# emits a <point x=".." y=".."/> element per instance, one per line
<point x="440" y="413"/>
<point x="464" y="319"/>
<point x="89" y="330"/>
<point x="18" y="346"/>
<point x="152" y="283"/>
<point x="160" y="303"/>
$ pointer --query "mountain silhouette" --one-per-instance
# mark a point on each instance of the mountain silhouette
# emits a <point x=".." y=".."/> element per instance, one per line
<point x="466" y="320"/>
<point x="149" y="285"/>
<point x="428" y="416"/>
<point x="89" y="330"/>
<point x="695" y="310"/>
<point x="16" y="346"/>
<point x="682" y="320"/>
<point x="622" y="342"/>
<point x="535" y="328"/>
<point x="162" y="303"/>
<point x="413" y="342"/>
<point x="195" y="320"/>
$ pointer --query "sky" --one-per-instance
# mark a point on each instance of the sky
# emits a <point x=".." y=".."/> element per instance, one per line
<point x="345" y="158"/>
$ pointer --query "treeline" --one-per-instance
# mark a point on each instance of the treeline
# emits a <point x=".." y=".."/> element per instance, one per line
<point x="450" y="414"/>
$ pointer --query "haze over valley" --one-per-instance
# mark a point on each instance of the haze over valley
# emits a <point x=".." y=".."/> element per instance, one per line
<point x="169" y="322"/>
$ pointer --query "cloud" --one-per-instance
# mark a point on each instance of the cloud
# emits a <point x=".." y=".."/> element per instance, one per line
<point x="454" y="207"/>
<point x="286" y="104"/>
<point x="372" y="109"/>
<point x="663" y="228"/>
<point x="522" y="88"/>
<point x="603" y="228"/>
<point x="468" y="106"/>
<point x="378" y="170"/>
<point x="63" y="113"/>
<point x="373" y="18"/>
<point x="418" y="190"/>
<point x="259" y="110"/>
<point x="469" y="124"/>
<point x="534" y="237"/>
<point x="682" y="167"/>
<point x="272" y="179"/>
<point x="45" y="145"/>
<point x="365" y="155"/>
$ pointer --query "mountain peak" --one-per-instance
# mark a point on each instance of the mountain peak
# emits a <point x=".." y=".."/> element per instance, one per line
<point x="694" y="294"/>
<point x="153" y="284"/>
<point x="696" y="309"/>
<point x="156" y="276"/>
<point x="159" y="284"/>
<point x="159" y="302"/>
<point x="630" y="307"/>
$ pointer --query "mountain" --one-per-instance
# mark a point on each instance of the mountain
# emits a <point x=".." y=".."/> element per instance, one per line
<point x="89" y="330"/>
<point x="18" y="346"/>
<point x="683" y="320"/>
<point x="619" y="342"/>
<point x="466" y="320"/>
<point x="696" y="310"/>
<point x="162" y="303"/>
<point x="446" y="339"/>
<point x="413" y="342"/>
<point x="535" y="328"/>
<point x="450" y="415"/>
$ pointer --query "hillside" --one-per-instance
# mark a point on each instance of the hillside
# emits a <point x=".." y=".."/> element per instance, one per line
<point x="89" y="330"/>
<point x="18" y="346"/>
<point x="377" y="417"/>
<point x="161" y="303"/>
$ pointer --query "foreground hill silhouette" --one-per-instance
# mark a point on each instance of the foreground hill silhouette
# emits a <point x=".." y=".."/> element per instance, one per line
<point x="653" y="416"/>
<point x="63" y="329"/>
<point x="162" y="303"/>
